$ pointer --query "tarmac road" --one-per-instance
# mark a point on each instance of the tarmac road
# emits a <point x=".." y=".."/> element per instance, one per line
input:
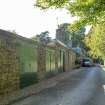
<point x="85" y="87"/>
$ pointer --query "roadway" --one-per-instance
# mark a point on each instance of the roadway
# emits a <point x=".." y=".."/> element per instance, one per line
<point x="85" y="87"/>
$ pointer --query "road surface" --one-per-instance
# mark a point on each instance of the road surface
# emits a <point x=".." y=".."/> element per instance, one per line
<point x="85" y="87"/>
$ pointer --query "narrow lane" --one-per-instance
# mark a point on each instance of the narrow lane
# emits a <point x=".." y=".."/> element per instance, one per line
<point x="78" y="89"/>
<point x="98" y="97"/>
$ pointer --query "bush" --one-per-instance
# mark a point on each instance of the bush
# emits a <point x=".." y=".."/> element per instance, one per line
<point x="50" y="74"/>
<point x="77" y="62"/>
<point x="28" y="79"/>
<point x="60" y="70"/>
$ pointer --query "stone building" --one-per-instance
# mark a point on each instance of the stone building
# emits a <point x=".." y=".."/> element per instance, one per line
<point x="63" y="34"/>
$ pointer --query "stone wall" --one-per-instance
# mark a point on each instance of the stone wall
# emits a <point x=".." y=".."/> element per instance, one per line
<point x="73" y="59"/>
<point x="9" y="70"/>
<point x="21" y="57"/>
<point x="41" y="61"/>
<point x="66" y="61"/>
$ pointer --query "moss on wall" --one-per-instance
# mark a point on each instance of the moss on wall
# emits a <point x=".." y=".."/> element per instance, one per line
<point x="27" y="55"/>
<point x="50" y="59"/>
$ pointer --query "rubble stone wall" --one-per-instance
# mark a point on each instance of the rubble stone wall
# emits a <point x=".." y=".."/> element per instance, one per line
<point x="9" y="69"/>
<point x="21" y="59"/>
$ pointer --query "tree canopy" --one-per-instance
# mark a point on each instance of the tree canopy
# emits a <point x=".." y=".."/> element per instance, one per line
<point x="89" y="11"/>
<point x="74" y="39"/>
<point x="96" y="41"/>
<point x="43" y="37"/>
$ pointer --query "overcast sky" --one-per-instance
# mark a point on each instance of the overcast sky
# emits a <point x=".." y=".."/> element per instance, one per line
<point x="26" y="20"/>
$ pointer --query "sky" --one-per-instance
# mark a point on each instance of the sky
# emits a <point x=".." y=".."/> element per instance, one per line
<point x="27" y="21"/>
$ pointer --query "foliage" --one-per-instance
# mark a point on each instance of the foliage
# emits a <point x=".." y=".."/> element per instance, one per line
<point x="75" y="37"/>
<point x="60" y="70"/>
<point x="89" y="11"/>
<point x="44" y="4"/>
<point x="44" y="34"/>
<point x="13" y="31"/>
<point x="28" y="78"/>
<point x="50" y="74"/>
<point x="77" y="62"/>
<point x="78" y="37"/>
<point x="43" y="37"/>
<point x="63" y="33"/>
<point x="96" y="41"/>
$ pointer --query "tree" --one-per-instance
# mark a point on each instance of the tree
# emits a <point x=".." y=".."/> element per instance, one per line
<point x="96" y="41"/>
<point x="75" y="38"/>
<point x="13" y="31"/>
<point x="89" y="11"/>
<point x="78" y="37"/>
<point x="43" y="37"/>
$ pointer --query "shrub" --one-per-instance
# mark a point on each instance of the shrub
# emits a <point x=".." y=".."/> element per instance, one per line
<point x="50" y="74"/>
<point x="77" y="62"/>
<point x="28" y="78"/>
<point x="60" y="70"/>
